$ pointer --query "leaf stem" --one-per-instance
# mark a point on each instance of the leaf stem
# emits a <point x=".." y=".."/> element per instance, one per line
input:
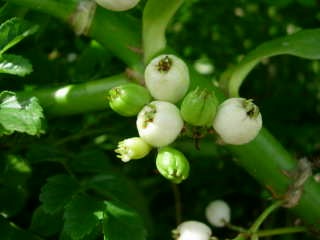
<point x="281" y="231"/>
<point x="255" y="226"/>
<point x="156" y="17"/>
<point x="177" y="201"/>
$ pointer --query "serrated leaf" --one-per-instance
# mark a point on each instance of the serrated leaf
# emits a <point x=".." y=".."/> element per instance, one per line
<point x="20" y="116"/>
<point x="15" y="65"/>
<point x="13" y="31"/>
<point x="116" y="187"/>
<point x="57" y="192"/>
<point x="82" y="215"/>
<point x="90" y="160"/>
<point x="304" y="44"/>
<point x="122" y="223"/>
<point x="94" y="235"/>
<point x="46" y="224"/>
<point x="44" y="152"/>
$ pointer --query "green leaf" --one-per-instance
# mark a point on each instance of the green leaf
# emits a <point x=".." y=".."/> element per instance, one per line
<point x="9" y="231"/>
<point x="46" y="224"/>
<point x="304" y="44"/>
<point x="308" y="3"/>
<point x="13" y="31"/>
<point x="122" y="223"/>
<point x="12" y="200"/>
<point x="279" y="3"/>
<point x="14" y="64"/>
<point x="82" y="215"/>
<point x="57" y="192"/>
<point x="90" y="161"/>
<point x="21" y="116"/>
<point x="15" y="171"/>
<point x="116" y="187"/>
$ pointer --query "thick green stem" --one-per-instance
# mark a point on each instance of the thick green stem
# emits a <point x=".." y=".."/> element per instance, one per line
<point x="264" y="158"/>
<point x="115" y="31"/>
<point x="156" y="17"/>
<point x="56" y="8"/>
<point x="74" y="99"/>
<point x="118" y="33"/>
<point x="268" y="162"/>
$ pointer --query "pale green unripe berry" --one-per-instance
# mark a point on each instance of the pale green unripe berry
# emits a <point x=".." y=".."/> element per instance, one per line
<point x="172" y="164"/>
<point x="238" y="121"/>
<point x="159" y="123"/>
<point x="117" y="5"/>
<point x="199" y="107"/>
<point x="218" y="213"/>
<point x="132" y="148"/>
<point x="128" y="99"/>
<point x="193" y="230"/>
<point x="167" y="78"/>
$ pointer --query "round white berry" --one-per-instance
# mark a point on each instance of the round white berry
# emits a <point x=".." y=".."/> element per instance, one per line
<point x="218" y="213"/>
<point x="238" y="121"/>
<point x="167" y="78"/>
<point x="193" y="230"/>
<point x="117" y="5"/>
<point x="159" y="123"/>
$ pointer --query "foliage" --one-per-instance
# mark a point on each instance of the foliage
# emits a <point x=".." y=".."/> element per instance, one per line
<point x="59" y="176"/>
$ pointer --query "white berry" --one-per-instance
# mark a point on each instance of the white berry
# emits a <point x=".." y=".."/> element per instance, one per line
<point x="117" y="5"/>
<point x="159" y="123"/>
<point x="193" y="230"/>
<point x="238" y="121"/>
<point x="218" y="213"/>
<point x="167" y="78"/>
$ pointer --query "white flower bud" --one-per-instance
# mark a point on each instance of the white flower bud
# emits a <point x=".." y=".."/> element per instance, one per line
<point x="167" y="78"/>
<point x="238" y="121"/>
<point x="193" y="230"/>
<point x="117" y="5"/>
<point x="159" y="123"/>
<point x="218" y="213"/>
<point x="132" y="148"/>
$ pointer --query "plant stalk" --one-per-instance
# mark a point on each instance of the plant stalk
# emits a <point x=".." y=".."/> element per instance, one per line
<point x="264" y="158"/>
<point x="78" y="98"/>
<point x="156" y="17"/>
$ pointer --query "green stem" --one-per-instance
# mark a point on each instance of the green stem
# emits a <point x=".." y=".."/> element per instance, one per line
<point x="281" y="231"/>
<point x="236" y="228"/>
<point x="177" y="203"/>
<point x="115" y="31"/>
<point x="255" y="226"/>
<point x="156" y="17"/>
<point x="264" y="158"/>
<point x="241" y="236"/>
<point x="118" y="33"/>
<point x="267" y="161"/>
<point x="74" y="99"/>
<point x="56" y="8"/>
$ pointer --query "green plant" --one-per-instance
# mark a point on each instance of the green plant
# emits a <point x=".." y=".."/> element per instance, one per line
<point x="68" y="183"/>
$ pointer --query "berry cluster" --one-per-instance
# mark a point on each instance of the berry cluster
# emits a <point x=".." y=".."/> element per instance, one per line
<point x="160" y="121"/>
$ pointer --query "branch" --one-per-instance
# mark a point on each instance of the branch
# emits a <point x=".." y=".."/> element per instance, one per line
<point x="264" y="158"/>
<point x="75" y="99"/>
